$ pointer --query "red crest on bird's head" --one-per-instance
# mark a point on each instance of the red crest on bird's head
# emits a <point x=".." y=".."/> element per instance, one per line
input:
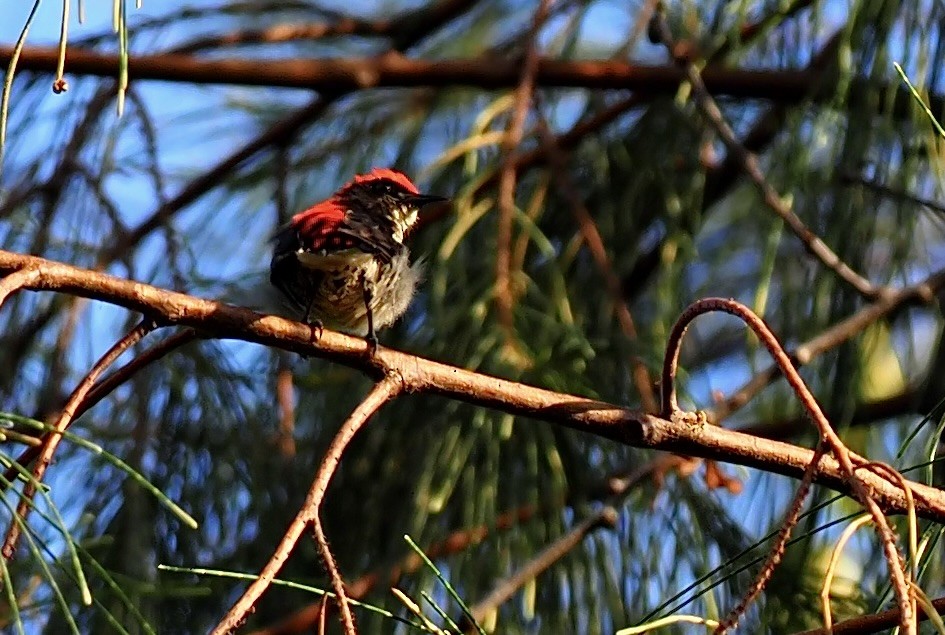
<point x="382" y="195"/>
<point x="399" y="178"/>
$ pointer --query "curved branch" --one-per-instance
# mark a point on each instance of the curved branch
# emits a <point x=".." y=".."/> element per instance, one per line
<point x="860" y="489"/>
<point x="16" y="281"/>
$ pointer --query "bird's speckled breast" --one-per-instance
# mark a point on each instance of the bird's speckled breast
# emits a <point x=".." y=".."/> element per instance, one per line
<point x="339" y="297"/>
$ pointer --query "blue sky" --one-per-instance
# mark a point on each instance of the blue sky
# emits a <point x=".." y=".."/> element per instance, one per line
<point x="169" y="104"/>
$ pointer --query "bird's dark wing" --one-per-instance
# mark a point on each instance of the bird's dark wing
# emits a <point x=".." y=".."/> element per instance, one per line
<point x="331" y="226"/>
<point x="287" y="274"/>
<point x="367" y="234"/>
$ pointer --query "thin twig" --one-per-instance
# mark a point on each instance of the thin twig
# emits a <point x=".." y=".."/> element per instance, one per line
<point x="105" y="387"/>
<point x="892" y="192"/>
<point x="383" y="391"/>
<point x="305" y="618"/>
<point x="606" y="517"/>
<point x="777" y="547"/>
<point x="883" y="306"/>
<point x="752" y="168"/>
<point x="52" y="440"/>
<point x="595" y="244"/>
<point x="861" y="491"/>
<point x="288" y="32"/>
<point x="611" y="492"/>
<point x="506" y="196"/>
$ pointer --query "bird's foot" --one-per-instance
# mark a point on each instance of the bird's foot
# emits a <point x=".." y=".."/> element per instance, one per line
<point x="315" y="331"/>
<point x="372" y="344"/>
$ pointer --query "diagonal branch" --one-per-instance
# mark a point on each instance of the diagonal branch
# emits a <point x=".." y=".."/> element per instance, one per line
<point x="16" y="281"/>
<point x="881" y="307"/>
<point x="302" y="620"/>
<point x="606" y="517"/>
<point x="750" y="165"/>
<point x="51" y="441"/>
<point x="721" y="176"/>
<point x="105" y="387"/>
<point x="384" y="391"/>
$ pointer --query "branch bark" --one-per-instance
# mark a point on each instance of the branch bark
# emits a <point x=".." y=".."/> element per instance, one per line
<point x="392" y="70"/>
<point x="222" y="321"/>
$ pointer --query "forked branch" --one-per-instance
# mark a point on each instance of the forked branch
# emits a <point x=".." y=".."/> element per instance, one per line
<point x="384" y="391"/>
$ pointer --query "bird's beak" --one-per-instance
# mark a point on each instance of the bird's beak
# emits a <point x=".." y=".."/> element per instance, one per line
<point x="423" y="199"/>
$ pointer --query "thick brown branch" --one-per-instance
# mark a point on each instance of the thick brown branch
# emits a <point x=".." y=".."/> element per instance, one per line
<point x="393" y="70"/>
<point x="218" y="320"/>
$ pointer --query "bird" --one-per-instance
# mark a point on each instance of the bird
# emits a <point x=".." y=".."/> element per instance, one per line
<point x="344" y="263"/>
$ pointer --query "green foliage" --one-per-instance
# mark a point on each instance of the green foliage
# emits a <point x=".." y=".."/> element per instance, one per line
<point x="197" y="436"/>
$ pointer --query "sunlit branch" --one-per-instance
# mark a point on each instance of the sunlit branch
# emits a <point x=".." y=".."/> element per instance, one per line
<point x="217" y="320"/>
<point x="52" y="439"/>
<point x="848" y="461"/>
<point x="384" y="391"/>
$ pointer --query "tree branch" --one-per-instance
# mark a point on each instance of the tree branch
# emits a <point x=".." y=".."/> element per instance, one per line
<point x="52" y="439"/>
<point x="394" y="70"/>
<point x="384" y="391"/>
<point x="217" y="320"/>
<point x="750" y="165"/>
